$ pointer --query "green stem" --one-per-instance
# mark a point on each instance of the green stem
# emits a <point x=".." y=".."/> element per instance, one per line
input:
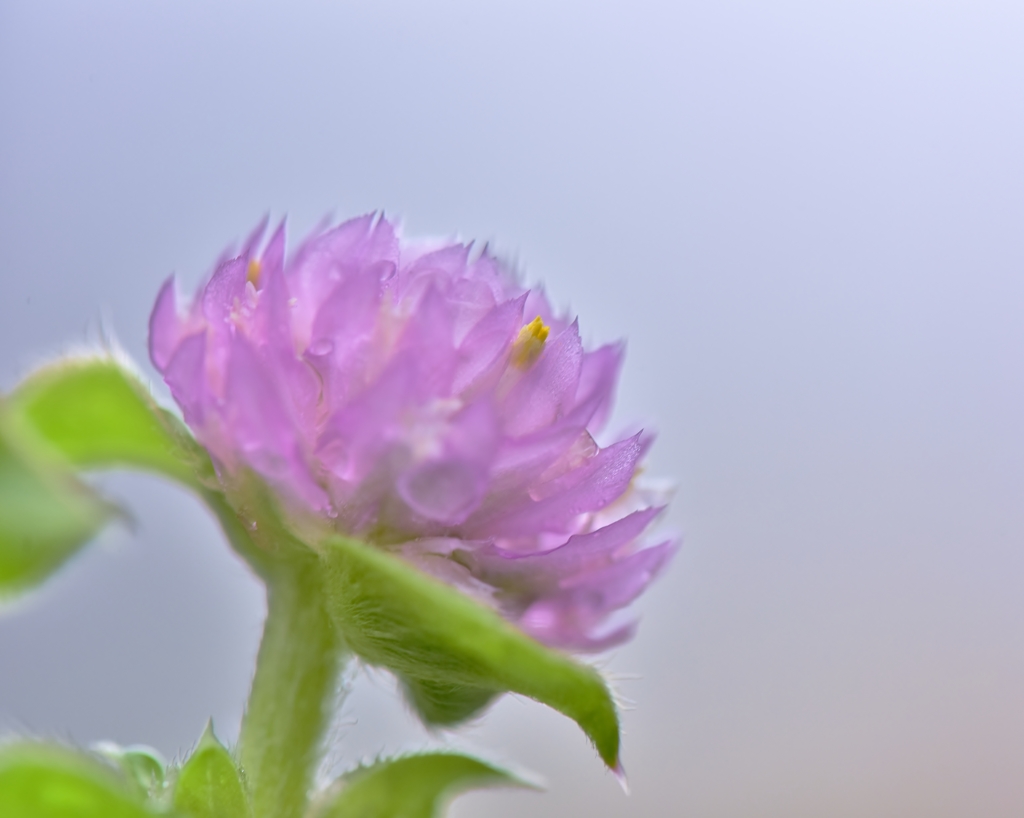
<point x="293" y="691"/>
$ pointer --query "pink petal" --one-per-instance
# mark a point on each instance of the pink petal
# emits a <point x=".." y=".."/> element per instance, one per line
<point x="340" y="344"/>
<point x="595" y="393"/>
<point x="186" y="376"/>
<point x="472" y="300"/>
<point x="355" y="435"/>
<point x="323" y="262"/>
<point x="548" y="388"/>
<point x="589" y="488"/>
<point x="224" y="290"/>
<point x="444" y="491"/>
<point x="570" y="617"/>
<point x="252" y="241"/>
<point x="484" y="350"/>
<point x="272" y="260"/>
<point x="618" y="584"/>
<point x="580" y="552"/>
<point x="262" y="427"/>
<point x="428" y="337"/>
<point x="164" y="326"/>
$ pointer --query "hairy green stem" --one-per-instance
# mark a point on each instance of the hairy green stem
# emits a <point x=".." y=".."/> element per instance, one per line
<point x="293" y="691"/>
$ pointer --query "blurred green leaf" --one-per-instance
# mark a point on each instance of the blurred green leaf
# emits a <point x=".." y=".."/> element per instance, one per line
<point x="142" y="766"/>
<point x="453" y="653"/>
<point x="46" y="514"/>
<point x="96" y="413"/>
<point x="417" y="786"/>
<point x="209" y="785"/>
<point x="44" y="781"/>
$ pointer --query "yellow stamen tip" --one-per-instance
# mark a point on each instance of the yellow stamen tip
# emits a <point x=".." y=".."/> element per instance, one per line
<point x="252" y="275"/>
<point x="529" y="344"/>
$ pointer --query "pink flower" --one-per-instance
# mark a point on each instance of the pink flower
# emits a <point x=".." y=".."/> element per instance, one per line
<point x="418" y="397"/>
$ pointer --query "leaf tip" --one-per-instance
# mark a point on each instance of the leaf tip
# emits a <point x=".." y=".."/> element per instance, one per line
<point x="620" y="775"/>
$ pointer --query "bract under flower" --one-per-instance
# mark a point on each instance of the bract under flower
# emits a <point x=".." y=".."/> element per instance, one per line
<point x="420" y="398"/>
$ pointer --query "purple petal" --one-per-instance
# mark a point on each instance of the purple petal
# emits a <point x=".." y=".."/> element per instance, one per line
<point x="595" y="393"/>
<point x="490" y="271"/>
<point x="537" y="304"/>
<point x="445" y="491"/>
<point x="351" y="309"/>
<point x="485" y="348"/>
<point x="185" y="375"/>
<point x="252" y="241"/>
<point x="588" y="488"/>
<point x="271" y="322"/>
<point x="340" y="344"/>
<point x="570" y="617"/>
<point x="531" y="455"/>
<point x="253" y="405"/>
<point x="474" y="433"/>
<point x="472" y="300"/>
<point x="428" y="336"/>
<point x="164" y="326"/>
<point x="618" y="584"/>
<point x="224" y="291"/>
<point x="447" y="488"/>
<point x="558" y="624"/>
<point x="434" y="270"/>
<point x="261" y="425"/>
<point x="579" y="553"/>
<point x="322" y="263"/>
<point x="273" y="255"/>
<point x="548" y="387"/>
<point x="355" y="435"/>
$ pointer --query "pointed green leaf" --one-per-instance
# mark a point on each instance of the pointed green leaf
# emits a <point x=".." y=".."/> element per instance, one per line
<point x="209" y="785"/>
<point x="43" y="781"/>
<point x="438" y="640"/>
<point x="417" y="786"/>
<point x="46" y="515"/>
<point x="98" y="414"/>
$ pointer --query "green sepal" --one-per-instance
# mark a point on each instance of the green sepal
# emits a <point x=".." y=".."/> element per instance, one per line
<point x="97" y="414"/>
<point x="47" y="781"/>
<point x="436" y="638"/>
<point x="418" y="786"/>
<point x="445" y="703"/>
<point x="209" y="784"/>
<point x="46" y="514"/>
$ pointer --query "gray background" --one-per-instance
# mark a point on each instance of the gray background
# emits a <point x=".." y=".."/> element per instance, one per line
<point x="805" y="217"/>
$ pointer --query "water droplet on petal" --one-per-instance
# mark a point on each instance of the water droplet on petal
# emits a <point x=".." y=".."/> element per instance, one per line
<point x="322" y="347"/>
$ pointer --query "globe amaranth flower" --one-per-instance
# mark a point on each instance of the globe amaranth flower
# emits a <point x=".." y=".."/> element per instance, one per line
<point x="419" y="397"/>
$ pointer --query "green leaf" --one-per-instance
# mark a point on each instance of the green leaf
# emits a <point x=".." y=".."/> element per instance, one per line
<point x="442" y="642"/>
<point x="98" y="414"/>
<point x="46" y="515"/>
<point x="44" y="781"/>
<point x="417" y="786"/>
<point x="209" y="785"/>
<point x="142" y="766"/>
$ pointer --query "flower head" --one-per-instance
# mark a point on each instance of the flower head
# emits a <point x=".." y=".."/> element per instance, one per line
<point x="419" y="397"/>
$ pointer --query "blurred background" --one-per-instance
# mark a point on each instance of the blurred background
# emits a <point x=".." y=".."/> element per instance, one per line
<point x="805" y="217"/>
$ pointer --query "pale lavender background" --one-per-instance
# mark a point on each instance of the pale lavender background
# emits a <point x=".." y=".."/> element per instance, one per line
<point x="806" y="218"/>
